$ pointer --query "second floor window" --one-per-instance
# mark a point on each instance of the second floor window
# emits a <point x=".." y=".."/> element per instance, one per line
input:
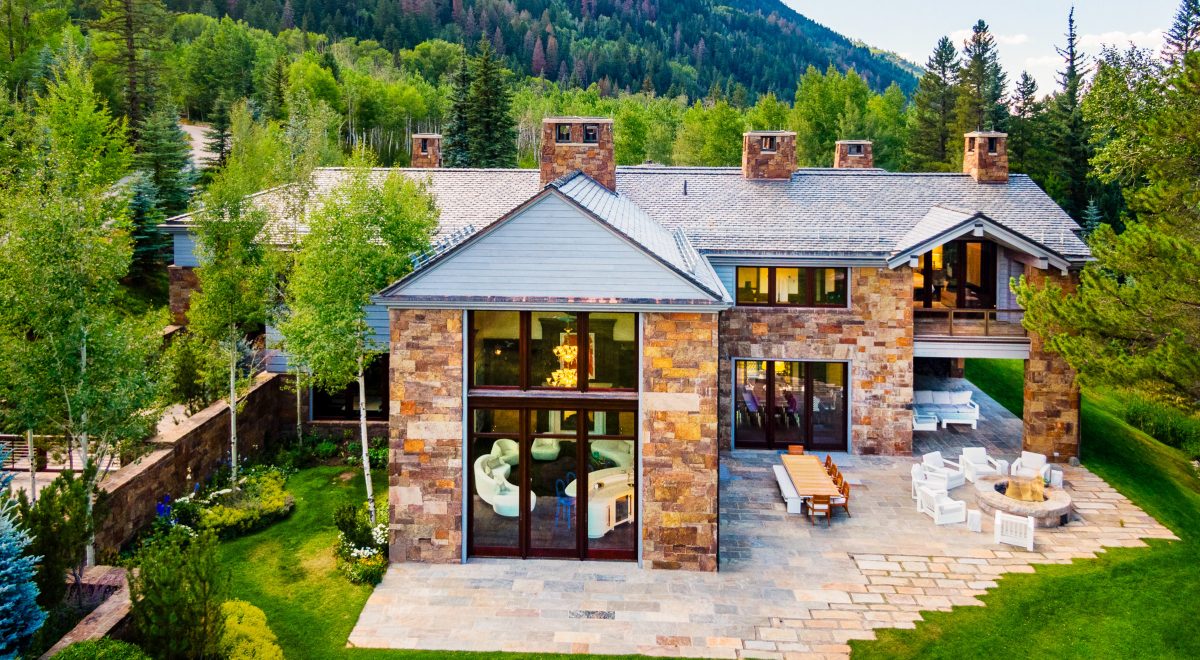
<point x="792" y="287"/>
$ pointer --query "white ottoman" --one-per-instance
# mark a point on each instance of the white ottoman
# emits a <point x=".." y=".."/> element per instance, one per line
<point x="974" y="520"/>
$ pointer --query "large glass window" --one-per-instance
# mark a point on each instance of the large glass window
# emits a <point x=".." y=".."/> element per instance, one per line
<point x="779" y="403"/>
<point x="959" y="274"/>
<point x="555" y="350"/>
<point x="344" y="403"/>
<point x="792" y="287"/>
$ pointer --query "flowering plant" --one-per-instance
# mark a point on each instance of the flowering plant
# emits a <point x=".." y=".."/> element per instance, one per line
<point x="361" y="548"/>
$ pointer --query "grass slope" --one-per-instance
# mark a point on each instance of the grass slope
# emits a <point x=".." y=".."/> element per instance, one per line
<point x="1128" y="603"/>
<point x="288" y="570"/>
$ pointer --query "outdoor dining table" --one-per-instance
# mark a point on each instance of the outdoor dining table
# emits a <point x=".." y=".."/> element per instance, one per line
<point x="809" y="476"/>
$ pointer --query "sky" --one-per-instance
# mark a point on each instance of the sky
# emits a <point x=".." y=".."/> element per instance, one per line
<point x="1026" y="31"/>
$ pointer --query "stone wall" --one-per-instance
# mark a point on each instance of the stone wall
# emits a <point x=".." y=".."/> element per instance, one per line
<point x="425" y="466"/>
<point x="593" y="159"/>
<point x="181" y="282"/>
<point x="844" y="160"/>
<point x="874" y="334"/>
<point x="188" y="454"/>
<point x="679" y="441"/>
<point x="777" y="164"/>
<point x="432" y="156"/>
<point x="110" y="618"/>
<point x="982" y="165"/>
<point x="1051" y="394"/>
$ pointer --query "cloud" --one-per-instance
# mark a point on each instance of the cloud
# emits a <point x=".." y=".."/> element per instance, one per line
<point x="1144" y="39"/>
<point x="959" y="36"/>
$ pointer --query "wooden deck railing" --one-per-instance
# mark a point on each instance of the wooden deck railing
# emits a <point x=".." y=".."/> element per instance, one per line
<point x="997" y="323"/>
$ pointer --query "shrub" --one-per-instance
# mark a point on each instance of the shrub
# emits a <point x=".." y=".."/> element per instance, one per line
<point x="176" y="593"/>
<point x="246" y="635"/>
<point x="1170" y="426"/>
<point x="260" y="501"/>
<point x="20" y="615"/>
<point x="362" y="549"/>
<point x="102" y="649"/>
<point x="325" y="450"/>
<point x="59" y="529"/>
<point x="183" y="363"/>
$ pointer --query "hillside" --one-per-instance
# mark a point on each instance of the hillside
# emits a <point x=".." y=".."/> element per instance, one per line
<point x="673" y="46"/>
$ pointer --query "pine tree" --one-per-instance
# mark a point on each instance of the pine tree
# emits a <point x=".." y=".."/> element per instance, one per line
<point x="149" y="244"/>
<point x="165" y="152"/>
<point x="456" y="146"/>
<point x="1071" y="142"/>
<point x="217" y="136"/>
<point x="981" y="84"/>
<point x="1092" y="218"/>
<point x="1184" y="35"/>
<point x="930" y="137"/>
<point x="20" y="615"/>
<point x="137" y="28"/>
<point x="1026" y="130"/>
<point x="276" y="84"/>
<point x="491" y="129"/>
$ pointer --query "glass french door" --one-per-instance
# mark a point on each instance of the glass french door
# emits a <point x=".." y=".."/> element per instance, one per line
<point x="552" y="482"/>
<point x="779" y="403"/>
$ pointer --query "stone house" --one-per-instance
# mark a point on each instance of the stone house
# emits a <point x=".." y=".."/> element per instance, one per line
<point x="564" y="368"/>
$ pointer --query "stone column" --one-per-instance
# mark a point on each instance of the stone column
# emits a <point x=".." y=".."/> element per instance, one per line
<point x="1051" y="394"/>
<point x="679" y="441"/>
<point x="182" y="281"/>
<point x="425" y="430"/>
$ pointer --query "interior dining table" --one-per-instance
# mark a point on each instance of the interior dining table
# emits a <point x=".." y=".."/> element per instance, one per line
<point x="809" y="476"/>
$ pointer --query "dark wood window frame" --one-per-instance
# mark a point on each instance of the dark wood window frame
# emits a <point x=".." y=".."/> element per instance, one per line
<point x="525" y="357"/>
<point x="770" y="404"/>
<point x="377" y="376"/>
<point x="562" y="136"/>
<point x="987" y="270"/>
<point x="526" y="434"/>
<point x="810" y="286"/>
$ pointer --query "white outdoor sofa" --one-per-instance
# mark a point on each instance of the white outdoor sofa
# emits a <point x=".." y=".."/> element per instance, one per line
<point x="949" y="407"/>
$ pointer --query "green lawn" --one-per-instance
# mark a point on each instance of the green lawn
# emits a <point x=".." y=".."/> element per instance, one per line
<point x="1129" y="603"/>
<point x="288" y="570"/>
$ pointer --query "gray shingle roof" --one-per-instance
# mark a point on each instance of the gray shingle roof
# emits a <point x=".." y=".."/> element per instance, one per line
<point x="938" y="220"/>
<point x="622" y="214"/>
<point x="833" y="212"/>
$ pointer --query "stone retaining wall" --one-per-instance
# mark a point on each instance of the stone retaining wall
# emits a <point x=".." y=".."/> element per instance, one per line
<point x="188" y="454"/>
<point x="110" y="616"/>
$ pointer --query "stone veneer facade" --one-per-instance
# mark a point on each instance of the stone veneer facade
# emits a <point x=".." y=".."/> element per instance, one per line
<point x="983" y="165"/>
<point x="425" y="462"/>
<point x="758" y="163"/>
<point x="432" y="155"/>
<point x="594" y="159"/>
<point x="679" y="441"/>
<point x="181" y="282"/>
<point x="844" y="160"/>
<point x="874" y="334"/>
<point x="1051" y="393"/>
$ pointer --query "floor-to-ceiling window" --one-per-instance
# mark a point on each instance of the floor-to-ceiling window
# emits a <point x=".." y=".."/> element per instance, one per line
<point x="552" y="442"/>
<point x="778" y="403"/>
<point x="957" y="275"/>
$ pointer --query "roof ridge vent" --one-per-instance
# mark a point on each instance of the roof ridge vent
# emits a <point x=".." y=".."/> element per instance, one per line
<point x="443" y="246"/>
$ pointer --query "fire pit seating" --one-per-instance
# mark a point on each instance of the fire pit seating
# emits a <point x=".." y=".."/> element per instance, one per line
<point x="935" y="464"/>
<point x="975" y="463"/>
<point x="950" y="407"/>
<point x="922" y="478"/>
<point x="939" y="506"/>
<point x="1031" y="465"/>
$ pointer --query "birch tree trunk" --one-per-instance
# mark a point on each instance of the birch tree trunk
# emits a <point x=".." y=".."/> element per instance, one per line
<point x="89" y="553"/>
<point x="233" y="439"/>
<point x="299" y="410"/>
<point x="362" y="426"/>
<point x="32" y="466"/>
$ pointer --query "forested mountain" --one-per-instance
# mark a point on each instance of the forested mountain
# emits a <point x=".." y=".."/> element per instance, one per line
<point x="669" y="46"/>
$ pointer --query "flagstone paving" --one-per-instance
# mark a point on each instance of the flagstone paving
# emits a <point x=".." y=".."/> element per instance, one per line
<point x="786" y="589"/>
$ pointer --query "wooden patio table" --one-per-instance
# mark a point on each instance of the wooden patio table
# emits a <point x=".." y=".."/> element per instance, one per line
<point x="809" y="476"/>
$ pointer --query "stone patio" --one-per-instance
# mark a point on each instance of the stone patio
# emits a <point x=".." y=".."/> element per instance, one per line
<point x="786" y="589"/>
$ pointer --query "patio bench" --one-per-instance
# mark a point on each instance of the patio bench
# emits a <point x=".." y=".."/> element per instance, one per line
<point x="795" y="503"/>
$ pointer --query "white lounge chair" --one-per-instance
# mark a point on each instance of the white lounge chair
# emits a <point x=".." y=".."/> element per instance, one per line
<point x="976" y="463"/>
<point x="930" y="480"/>
<point x="1031" y="465"/>
<point x="939" y="506"/>
<point x="1014" y="530"/>
<point x="935" y="464"/>
<point x="795" y="503"/>
<point x="544" y="449"/>
<point x="493" y="487"/>
<point x="507" y="450"/>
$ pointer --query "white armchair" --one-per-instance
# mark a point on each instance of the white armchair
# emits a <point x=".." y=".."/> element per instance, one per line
<point x="976" y="463"/>
<point x="935" y="464"/>
<point x="506" y="450"/>
<point x="928" y="479"/>
<point x="544" y="449"/>
<point x="1031" y="465"/>
<point x="1014" y="530"/>
<point x="939" y="506"/>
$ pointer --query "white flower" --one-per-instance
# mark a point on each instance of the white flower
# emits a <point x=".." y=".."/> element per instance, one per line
<point x="379" y="535"/>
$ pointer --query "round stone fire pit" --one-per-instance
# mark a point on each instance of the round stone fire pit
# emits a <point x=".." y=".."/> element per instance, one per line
<point x="1055" y="510"/>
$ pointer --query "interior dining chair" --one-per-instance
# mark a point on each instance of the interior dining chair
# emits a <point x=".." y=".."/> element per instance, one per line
<point x="795" y="449"/>
<point x="819" y="506"/>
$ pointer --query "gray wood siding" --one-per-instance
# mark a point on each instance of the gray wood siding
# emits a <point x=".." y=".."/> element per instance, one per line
<point x="184" y="249"/>
<point x="551" y="249"/>
<point x="728" y="277"/>
<point x="1006" y="268"/>
<point x="377" y="318"/>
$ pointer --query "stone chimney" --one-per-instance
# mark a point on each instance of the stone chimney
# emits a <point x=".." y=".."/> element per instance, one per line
<point x="578" y="143"/>
<point x="426" y="150"/>
<point x="768" y="154"/>
<point x="853" y="154"/>
<point x="985" y="156"/>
